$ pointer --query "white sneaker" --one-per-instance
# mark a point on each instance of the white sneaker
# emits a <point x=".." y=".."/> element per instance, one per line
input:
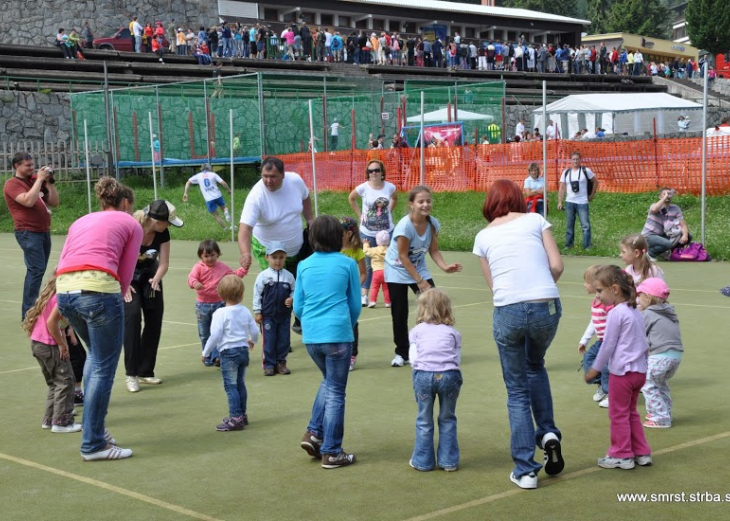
<point x="371" y="305"/>
<point x="132" y="384"/>
<point x="364" y="300"/>
<point x="149" y="380"/>
<point x="227" y="216"/>
<point x="600" y="395"/>
<point x="387" y="305"/>
<point x="353" y="361"/>
<point x="397" y="361"/>
<point x="112" y="453"/>
<point x="604" y="403"/>
<point x="73" y="427"/>
<point x="526" y="481"/>
<point x="643" y="461"/>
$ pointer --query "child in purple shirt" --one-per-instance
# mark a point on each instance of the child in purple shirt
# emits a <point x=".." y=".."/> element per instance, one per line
<point x="625" y="350"/>
<point x="435" y="355"/>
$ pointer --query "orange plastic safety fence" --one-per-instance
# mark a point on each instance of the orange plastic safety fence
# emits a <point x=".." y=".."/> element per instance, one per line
<point x="625" y="167"/>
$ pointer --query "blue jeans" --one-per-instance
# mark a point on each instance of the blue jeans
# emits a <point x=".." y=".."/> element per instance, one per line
<point x="585" y="224"/>
<point x="588" y="360"/>
<point x="204" y="313"/>
<point x="138" y="43"/>
<point x="233" y="370"/>
<point x="368" y="264"/>
<point x="523" y="332"/>
<point x="36" y="248"/>
<point x="277" y="339"/>
<point x="328" y="411"/>
<point x="227" y="48"/>
<point x="427" y="386"/>
<point x="98" y="319"/>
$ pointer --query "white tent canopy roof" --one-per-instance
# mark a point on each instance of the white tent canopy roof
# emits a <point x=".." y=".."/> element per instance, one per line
<point x="441" y="116"/>
<point x="594" y="103"/>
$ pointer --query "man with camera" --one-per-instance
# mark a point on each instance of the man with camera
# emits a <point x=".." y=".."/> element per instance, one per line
<point x="30" y="197"/>
<point x="581" y="185"/>
<point x="665" y="227"/>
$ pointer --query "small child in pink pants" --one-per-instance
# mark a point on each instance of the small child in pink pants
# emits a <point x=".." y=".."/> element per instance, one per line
<point x="377" y="258"/>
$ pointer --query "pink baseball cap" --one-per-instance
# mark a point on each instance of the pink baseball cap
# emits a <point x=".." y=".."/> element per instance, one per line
<point x="654" y="287"/>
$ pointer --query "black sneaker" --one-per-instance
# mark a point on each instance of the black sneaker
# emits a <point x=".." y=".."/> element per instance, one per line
<point x="554" y="463"/>
<point x="311" y="444"/>
<point x="335" y="461"/>
<point x="78" y="397"/>
<point x="231" y="424"/>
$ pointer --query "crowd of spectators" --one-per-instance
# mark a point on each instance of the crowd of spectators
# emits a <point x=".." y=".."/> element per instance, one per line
<point x="362" y="47"/>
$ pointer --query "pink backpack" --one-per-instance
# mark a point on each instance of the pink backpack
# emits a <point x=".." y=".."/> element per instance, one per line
<point x="692" y="252"/>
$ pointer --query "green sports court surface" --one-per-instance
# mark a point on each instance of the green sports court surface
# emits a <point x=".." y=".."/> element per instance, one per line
<point x="183" y="469"/>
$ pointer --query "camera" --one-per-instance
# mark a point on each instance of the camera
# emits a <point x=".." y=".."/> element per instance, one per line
<point x="575" y="186"/>
<point x="50" y="171"/>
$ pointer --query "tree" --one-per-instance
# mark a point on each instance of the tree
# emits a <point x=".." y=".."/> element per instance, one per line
<point x="642" y="17"/>
<point x="559" y="7"/>
<point x="597" y="12"/>
<point x="708" y="25"/>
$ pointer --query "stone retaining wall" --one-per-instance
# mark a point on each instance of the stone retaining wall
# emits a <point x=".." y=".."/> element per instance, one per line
<point x="38" y="21"/>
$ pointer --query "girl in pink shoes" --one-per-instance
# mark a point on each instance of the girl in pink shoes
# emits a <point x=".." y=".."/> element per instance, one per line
<point x="43" y="324"/>
<point x="665" y="350"/>
<point x="624" y="348"/>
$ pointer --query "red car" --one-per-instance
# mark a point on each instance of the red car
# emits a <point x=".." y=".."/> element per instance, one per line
<point x="120" y="41"/>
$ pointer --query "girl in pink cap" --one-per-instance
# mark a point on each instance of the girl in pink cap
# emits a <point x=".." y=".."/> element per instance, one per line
<point x="665" y="350"/>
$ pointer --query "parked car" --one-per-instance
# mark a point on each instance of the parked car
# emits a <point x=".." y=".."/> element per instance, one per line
<point x="119" y="41"/>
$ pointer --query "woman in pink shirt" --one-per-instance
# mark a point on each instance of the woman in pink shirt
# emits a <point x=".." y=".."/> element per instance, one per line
<point x="204" y="279"/>
<point x="94" y="271"/>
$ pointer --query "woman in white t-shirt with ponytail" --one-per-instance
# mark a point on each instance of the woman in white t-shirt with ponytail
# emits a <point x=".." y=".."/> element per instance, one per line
<point x="378" y="198"/>
<point x="521" y="263"/>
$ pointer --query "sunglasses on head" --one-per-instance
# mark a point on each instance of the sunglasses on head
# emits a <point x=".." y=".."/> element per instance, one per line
<point x="374" y="170"/>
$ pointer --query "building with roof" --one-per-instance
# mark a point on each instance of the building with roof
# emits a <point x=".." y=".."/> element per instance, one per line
<point x="413" y="17"/>
<point x="653" y="49"/>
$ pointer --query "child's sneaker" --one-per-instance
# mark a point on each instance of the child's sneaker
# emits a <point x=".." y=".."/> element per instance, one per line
<point x="47" y="423"/>
<point x="245" y="419"/>
<point x="527" y="481"/>
<point x="616" y="463"/>
<point x="353" y="361"/>
<point x="371" y="305"/>
<point x="311" y="444"/>
<point x="227" y="216"/>
<point x="397" y="361"/>
<point x="281" y="368"/>
<point x="231" y="424"/>
<point x="387" y="304"/>
<point x="364" y="300"/>
<point x="604" y="403"/>
<point x="554" y="463"/>
<point x="71" y="427"/>
<point x="600" y="395"/>
<point x="113" y="452"/>
<point x="651" y="424"/>
<point x="78" y="397"/>
<point x="643" y="461"/>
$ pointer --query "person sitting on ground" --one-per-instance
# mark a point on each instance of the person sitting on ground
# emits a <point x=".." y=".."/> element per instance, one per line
<point x="665" y="227"/>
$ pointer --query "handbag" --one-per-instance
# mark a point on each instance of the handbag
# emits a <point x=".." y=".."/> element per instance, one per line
<point x="692" y="252"/>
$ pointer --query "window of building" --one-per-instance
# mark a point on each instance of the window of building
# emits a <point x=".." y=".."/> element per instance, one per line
<point x="680" y="32"/>
<point x="361" y="24"/>
<point x="271" y="14"/>
<point x="326" y="20"/>
<point x="512" y="36"/>
<point x="469" y="32"/>
<point x="344" y="21"/>
<point x="307" y="17"/>
<point x="378" y="24"/>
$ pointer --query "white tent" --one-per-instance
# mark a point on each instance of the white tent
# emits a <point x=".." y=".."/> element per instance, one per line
<point x="620" y="113"/>
<point x="442" y="116"/>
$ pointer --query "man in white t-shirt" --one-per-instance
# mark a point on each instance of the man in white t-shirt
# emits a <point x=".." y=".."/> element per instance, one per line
<point x="137" y="31"/>
<point x="273" y="212"/>
<point x="208" y="182"/>
<point x="334" y="134"/>
<point x="520" y="128"/>
<point x="550" y="130"/>
<point x="575" y="180"/>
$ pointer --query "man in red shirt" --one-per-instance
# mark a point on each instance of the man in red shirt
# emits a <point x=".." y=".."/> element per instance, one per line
<point x="29" y="198"/>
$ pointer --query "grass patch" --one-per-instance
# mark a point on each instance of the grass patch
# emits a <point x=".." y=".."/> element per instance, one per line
<point x="612" y="215"/>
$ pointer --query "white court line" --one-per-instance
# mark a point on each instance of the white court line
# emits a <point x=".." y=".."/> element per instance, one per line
<point x="112" y="488"/>
<point x="555" y="481"/>
<point x="19" y="370"/>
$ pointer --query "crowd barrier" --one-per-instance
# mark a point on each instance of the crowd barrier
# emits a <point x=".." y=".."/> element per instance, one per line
<point x="624" y="167"/>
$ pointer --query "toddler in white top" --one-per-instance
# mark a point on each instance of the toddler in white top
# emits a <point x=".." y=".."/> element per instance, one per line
<point x="233" y="333"/>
